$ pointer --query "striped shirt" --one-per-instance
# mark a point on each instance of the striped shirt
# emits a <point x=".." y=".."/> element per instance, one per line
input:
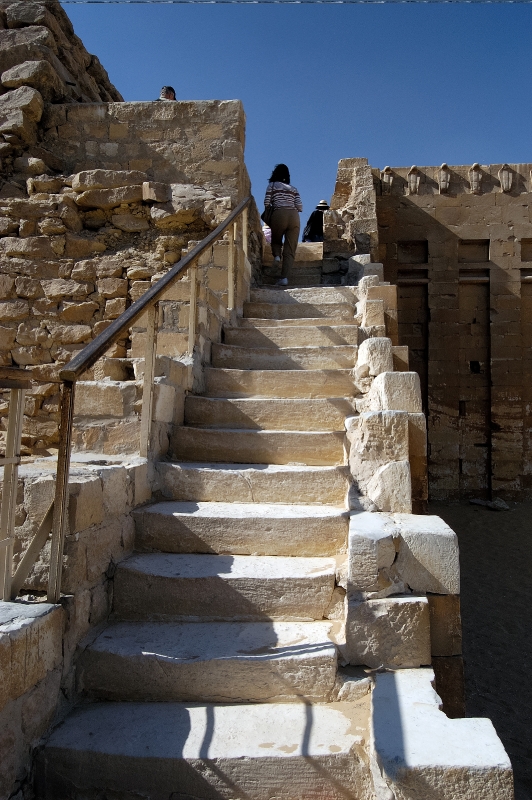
<point x="284" y="196"/>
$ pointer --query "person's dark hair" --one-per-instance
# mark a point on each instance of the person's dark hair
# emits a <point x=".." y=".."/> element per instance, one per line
<point x="168" y="89"/>
<point x="280" y="173"/>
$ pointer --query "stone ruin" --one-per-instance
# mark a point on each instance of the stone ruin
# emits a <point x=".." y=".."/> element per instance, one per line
<point x="260" y="608"/>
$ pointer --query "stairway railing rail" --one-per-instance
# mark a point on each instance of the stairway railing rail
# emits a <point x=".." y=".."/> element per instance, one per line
<point x="57" y="516"/>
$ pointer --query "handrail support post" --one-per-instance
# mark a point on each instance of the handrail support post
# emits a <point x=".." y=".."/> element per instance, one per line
<point x="9" y="490"/>
<point x="60" y="518"/>
<point x="149" y="375"/>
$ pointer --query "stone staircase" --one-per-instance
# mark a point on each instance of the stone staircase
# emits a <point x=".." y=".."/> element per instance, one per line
<point x="218" y="673"/>
<point x="222" y="672"/>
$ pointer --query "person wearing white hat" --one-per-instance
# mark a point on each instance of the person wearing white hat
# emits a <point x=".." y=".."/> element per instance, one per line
<point x="313" y="231"/>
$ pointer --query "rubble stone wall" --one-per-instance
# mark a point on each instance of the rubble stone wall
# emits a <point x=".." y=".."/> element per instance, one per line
<point x="461" y="256"/>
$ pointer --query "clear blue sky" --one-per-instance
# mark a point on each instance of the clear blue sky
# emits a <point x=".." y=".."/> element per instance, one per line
<point x="398" y="84"/>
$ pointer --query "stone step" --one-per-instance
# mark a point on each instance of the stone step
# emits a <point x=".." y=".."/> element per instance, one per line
<point x="162" y="750"/>
<point x="243" y="446"/>
<point x="279" y="383"/>
<point x="296" y="322"/>
<point x="290" y="358"/>
<point x="196" y="587"/>
<point x="253" y="483"/>
<point x="300" y="336"/>
<point x="306" y="251"/>
<point x="211" y="662"/>
<point x="282" y="310"/>
<point x="304" y="274"/>
<point x="242" y="528"/>
<point x="293" y="414"/>
<point x="316" y="295"/>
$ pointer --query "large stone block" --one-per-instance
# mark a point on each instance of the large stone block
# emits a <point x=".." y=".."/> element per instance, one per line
<point x="30" y="646"/>
<point x="374" y="356"/>
<point x="109" y="198"/>
<point x="85" y="506"/>
<point x="377" y="438"/>
<point x="421" y="753"/>
<point x="39" y="75"/>
<point x="371" y="548"/>
<point x="105" y="398"/>
<point x="398" y="391"/>
<point x="107" y="179"/>
<point x="393" y="632"/>
<point x="29" y="247"/>
<point x="24" y="99"/>
<point x="390" y="488"/>
<point x="428" y="559"/>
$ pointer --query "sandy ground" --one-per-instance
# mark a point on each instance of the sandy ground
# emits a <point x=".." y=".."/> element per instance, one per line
<point x="496" y="571"/>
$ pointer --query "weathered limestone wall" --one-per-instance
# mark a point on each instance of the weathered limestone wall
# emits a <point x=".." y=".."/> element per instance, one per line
<point x="38" y="642"/>
<point x="458" y="243"/>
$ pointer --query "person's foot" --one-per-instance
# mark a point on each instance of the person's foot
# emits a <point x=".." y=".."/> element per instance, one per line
<point x="277" y="260"/>
<point x="282" y="282"/>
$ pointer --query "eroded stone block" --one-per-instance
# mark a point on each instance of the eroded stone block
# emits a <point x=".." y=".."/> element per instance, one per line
<point x="391" y="632"/>
<point x="428" y="559"/>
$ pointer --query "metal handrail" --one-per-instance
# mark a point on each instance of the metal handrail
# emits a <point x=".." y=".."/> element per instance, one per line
<point x="95" y="349"/>
<point x="56" y="517"/>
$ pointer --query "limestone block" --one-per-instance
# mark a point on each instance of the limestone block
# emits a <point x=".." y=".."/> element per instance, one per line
<point x="21" y="14"/>
<point x="30" y="646"/>
<point x="445" y="625"/>
<point x="360" y="266"/>
<point x="112" y="287"/>
<point x="417" y="448"/>
<point x="372" y="313"/>
<point x="14" y="310"/>
<point x="85" y="507"/>
<point x="7" y="337"/>
<point x="51" y="227"/>
<point x="422" y="753"/>
<point x="7" y="285"/>
<point x="129" y="223"/>
<point x="138" y="475"/>
<point x="428" y="559"/>
<point x="186" y="206"/>
<point x="390" y="488"/>
<point x="29" y="166"/>
<point x="69" y="334"/>
<point x="374" y="356"/>
<point x="400" y="358"/>
<point x="388" y="294"/>
<point x="39" y="706"/>
<point x="19" y="125"/>
<point x="117" y="495"/>
<point x="78" y="312"/>
<point x="393" y="632"/>
<point x="105" y="399"/>
<point x="109" y="198"/>
<point x="39" y="75"/>
<point x="377" y="438"/>
<point x="58" y="288"/>
<point x="364" y="284"/>
<point x="107" y="179"/>
<point x="7" y="226"/>
<point x="26" y="356"/>
<point x="81" y="246"/>
<point x="24" y="99"/>
<point x="35" y="42"/>
<point x="157" y="192"/>
<point x="164" y="401"/>
<point x="29" y="247"/>
<point x="370" y="548"/>
<point x="400" y="391"/>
